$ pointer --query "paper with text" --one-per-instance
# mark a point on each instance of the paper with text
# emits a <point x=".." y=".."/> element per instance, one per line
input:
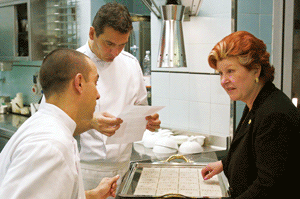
<point x="134" y="124"/>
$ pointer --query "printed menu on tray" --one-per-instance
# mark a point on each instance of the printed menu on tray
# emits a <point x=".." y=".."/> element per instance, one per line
<point x="185" y="181"/>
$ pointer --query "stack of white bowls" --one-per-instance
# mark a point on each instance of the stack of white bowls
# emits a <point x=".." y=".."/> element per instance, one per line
<point x="164" y="144"/>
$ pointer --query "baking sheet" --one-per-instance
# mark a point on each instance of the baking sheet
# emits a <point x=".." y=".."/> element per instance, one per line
<point x="164" y="179"/>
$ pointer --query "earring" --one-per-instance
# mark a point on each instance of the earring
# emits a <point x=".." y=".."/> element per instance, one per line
<point x="256" y="80"/>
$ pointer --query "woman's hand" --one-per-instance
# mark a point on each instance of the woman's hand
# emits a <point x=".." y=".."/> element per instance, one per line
<point x="212" y="169"/>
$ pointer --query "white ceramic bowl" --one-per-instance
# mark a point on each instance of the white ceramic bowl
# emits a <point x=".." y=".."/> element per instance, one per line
<point x="200" y="139"/>
<point x="163" y="150"/>
<point x="168" y="142"/>
<point x="180" y="138"/>
<point x="150" y="138"/>
<point x="190" y="147"/>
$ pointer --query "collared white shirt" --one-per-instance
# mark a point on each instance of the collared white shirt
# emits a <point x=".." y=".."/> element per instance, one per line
<point x="120" y="84"/>
<point x="41" y="158"/>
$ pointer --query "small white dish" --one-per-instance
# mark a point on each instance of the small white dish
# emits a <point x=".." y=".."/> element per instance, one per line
<point x="189" y="147"/>
<point x="168" y="142"/>
<point x="180" y="138"/>
<point x="163" y="150"/>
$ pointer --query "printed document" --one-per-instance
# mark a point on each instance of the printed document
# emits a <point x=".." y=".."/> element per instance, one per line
<point x="134" y="124"/>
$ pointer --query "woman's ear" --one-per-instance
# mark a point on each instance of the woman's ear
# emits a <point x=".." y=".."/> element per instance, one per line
<point x="257" y="69"/>
<point x="78" y="81"/>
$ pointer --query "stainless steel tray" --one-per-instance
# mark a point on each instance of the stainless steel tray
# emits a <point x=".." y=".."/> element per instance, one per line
<point x="129" y="184"/>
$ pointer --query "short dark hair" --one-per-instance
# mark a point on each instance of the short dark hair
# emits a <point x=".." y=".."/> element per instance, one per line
<point x="59" y="67"/>
<point x="113" y="15"/>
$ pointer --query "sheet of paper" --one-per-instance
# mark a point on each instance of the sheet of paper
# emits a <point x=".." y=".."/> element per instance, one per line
<point x="134" y="124"/>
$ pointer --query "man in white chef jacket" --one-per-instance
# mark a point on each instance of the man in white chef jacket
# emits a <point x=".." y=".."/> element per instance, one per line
<point x="120" y="84"/>
<point x="41" y="159"/>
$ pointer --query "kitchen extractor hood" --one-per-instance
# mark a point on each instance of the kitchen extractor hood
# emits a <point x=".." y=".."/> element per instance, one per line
<point x="172" y="52"/>
<point x="171" y="48"/>
<point x="192" y="7"/>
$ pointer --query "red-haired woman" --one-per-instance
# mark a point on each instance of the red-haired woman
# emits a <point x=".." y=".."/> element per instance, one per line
<point x="264" y="145"/>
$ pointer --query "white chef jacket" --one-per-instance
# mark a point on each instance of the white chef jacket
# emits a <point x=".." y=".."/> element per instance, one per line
<point x="41" y="159"/>
<point x="120" y="84"/>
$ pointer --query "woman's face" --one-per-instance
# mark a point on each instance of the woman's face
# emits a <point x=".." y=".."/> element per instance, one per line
<point x="238" y="81"/>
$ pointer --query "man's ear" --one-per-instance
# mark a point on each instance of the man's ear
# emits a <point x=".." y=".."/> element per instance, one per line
<point x="78" y="81"/>
<point x="92" y="33"/>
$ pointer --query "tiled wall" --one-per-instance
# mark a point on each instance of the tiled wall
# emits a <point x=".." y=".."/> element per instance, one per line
<point x="193" y="96"/>
<point x="258" y="15"/>
<point x="19" y="79"/>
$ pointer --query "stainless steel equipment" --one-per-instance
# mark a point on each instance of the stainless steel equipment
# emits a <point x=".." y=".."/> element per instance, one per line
<point x="171" y="180"/>
<point x="139" y="39"/>
<point x="21" y="30"/>
<point x="62" y="28"/>
<point x="172" y="52"/>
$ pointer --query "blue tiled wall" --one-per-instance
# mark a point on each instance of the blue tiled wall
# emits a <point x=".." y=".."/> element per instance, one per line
<point x="19" y="79"/>
<point x="255" y="16"/>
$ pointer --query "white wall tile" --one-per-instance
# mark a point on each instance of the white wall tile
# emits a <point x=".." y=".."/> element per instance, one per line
<point x="160" y="85"/>
<point x="154" y="56"/>
<point x="200" y="117"/>
<point x="179" y="114"/>
<point x="196" y="55"/>
<point x="191" y="96"/>
<point x="206" y="30"/>
<point x="218" y="94"/>
<point x="199" y="88"/>
<point x="179" y="86"/>
<point x="164" y="114"/>
<point x="220" y="119"/>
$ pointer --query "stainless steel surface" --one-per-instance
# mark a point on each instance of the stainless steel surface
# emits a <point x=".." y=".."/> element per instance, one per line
<point x="193" y="5"/>
<point x="5" y="66"/>
<point x="48" y="21"/>
<point x="212" y="143"/>
<point x="139" y="40"/>
<point x="7" y="33"/>
<point x="61" y="25"/>
<point x="23" y="29"/>
<point x="172" y="52"/>
<point x="9" y="124"/>
<point x="155" y="11"/>
<point x="131" y="179"/>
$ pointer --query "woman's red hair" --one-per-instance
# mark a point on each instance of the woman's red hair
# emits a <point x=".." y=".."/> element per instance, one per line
<point x="250" y="51"/>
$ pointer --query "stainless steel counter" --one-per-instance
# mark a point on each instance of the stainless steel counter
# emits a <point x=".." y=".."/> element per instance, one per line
<point x="9" y="124"/>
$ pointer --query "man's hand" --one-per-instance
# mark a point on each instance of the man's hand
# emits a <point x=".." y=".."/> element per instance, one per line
<point x="107" y="187"/>
<point x="106" y="123"/>
<point x="153" y="122"/>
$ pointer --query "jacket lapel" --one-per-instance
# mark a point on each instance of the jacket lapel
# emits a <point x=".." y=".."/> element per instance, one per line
<point x="248" y="117"/>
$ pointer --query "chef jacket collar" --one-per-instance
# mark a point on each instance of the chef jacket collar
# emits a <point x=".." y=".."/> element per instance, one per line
<point x="59" y="114"/>
<point x="92" y="55"/>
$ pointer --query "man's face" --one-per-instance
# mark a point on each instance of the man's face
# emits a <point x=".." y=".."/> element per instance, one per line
<point x="108" y="45"/>
<point x="90" y="91"/>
